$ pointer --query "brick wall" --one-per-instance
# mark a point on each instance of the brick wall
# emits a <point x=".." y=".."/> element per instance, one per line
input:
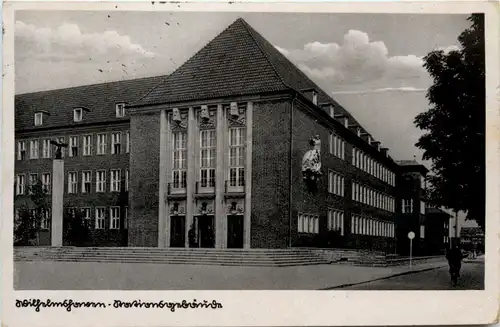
<point x="144" y="182"/>
<point x="80" y="163"/>
<point x="270" y="174"/>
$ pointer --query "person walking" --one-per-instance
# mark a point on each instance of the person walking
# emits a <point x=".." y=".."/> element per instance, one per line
<point x="454" y="257"/>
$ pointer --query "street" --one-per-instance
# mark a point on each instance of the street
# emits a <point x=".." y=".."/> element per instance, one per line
<point x="472" y="278"/>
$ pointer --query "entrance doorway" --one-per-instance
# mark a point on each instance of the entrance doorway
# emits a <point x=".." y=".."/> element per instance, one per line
<point x="177" y="231"/>
<point x="206" y="231"/>
<point x="235" y="231"/>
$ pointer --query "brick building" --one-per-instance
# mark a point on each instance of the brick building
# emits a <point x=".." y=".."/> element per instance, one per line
<point x="216" y="155"/>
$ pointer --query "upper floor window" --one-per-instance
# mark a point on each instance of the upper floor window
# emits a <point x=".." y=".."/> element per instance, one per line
<point x="207" y="149"/>
<point x="237" y="156"/>
<point x="46" y="148"/>
<point x="77" y="114"/>
<point x="86" y="181"/>
<point x="46" y="182"/>
<point x="407" y="206"/>
<point x="179" y="172"/>
<point x="72" y="182"/>
<point x="34" y="149"/>
<point x="87" y="145"/>
<point x="100" y="185"/>
<point x="115" y="180"/>
<point x="38" y="119"/>
<point x="101" y="143"/>
<point x="127" y="142"/>
<point x="20" y="184"/>
<point x="120" y="110"/>
<point x="62" y="139"/>
<point x="116" y="139"/>
<point x="73" y="146"/>
<point x="21" y="150"/>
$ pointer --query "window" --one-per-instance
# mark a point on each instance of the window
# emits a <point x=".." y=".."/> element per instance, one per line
<point x="77" y="115"/>
<point x="337" y="146"/>
<point x="100" y="185"/>
<point x="116" y="139"/>
<point x="407" y="206"/>
<point x="21" y="150"/>
<point x="237" y="156"/>
<point x="73" y="146"/>
<point x="308" y="223"/>
<point x="126" y="180"/>
<point x="115" y="218"/>
<point x="86" y="181"/>
<point x="127" y="143"/>
<point x="45" y="222"/>
<point x="72" y="182"/>
<point x="335" y="183"/>
<point x="46" y="148"/>
<point x="71" y="212"/>
<point x="100" y="213"/>
<point x="422" y="207"/>
<point x="87" y="145"/>
<point x="34" y="149"/>
<point x="20" y="184"/>
<point x="33" y="179"/>
<point x="115" y="180"/>
<point x="120" y="110"/>
<point x="422" y="231"/>
<point x="86" y="215"/>
<point x="179" y="172"/>
<point x="101" y="143"/>
<point x="207" y="148"/>
<point x="46" y="182"/>
<point x="336" y="220"/>
<point x="62" y="139"/>
<point x="38" y="119"/>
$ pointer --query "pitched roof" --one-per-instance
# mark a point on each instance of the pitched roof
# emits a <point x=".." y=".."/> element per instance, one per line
<point x="98" y="99"/>
<point x="239" y="61"/>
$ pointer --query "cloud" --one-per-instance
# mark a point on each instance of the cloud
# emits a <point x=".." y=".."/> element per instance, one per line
<point x="68" y="43"/>
<point x="382" y="90"/>
<point x="357" y="59"/>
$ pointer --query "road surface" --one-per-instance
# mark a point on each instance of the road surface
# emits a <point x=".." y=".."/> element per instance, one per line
<point x="472" y="278"/>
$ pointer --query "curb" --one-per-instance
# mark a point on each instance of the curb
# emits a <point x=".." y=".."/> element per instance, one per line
<point x="380" y="278"/>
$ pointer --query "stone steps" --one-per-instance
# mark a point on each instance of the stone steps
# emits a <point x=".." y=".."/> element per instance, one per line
<point x="233" y="257"/>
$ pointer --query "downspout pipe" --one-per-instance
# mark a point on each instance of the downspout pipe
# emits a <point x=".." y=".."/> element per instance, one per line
<point x="290" y="194"/>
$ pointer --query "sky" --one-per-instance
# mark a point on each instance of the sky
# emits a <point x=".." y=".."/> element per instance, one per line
<point x="370" y="63"/>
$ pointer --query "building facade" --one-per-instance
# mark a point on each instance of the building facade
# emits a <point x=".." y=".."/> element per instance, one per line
<point x="237" y="148"/>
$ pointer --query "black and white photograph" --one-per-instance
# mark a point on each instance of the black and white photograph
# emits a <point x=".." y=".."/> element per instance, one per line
<point x="250" y="150"/>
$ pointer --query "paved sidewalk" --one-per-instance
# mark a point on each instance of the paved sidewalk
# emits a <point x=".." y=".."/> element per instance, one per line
<point x="136" y="276"/>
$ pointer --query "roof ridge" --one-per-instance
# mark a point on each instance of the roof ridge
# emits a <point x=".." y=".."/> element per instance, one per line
<point x="185" y="62"/>
<point x="93" y="84"/>
<point x="249" y="29"/>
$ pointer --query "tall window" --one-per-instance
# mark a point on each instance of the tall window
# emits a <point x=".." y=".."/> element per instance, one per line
<point x="86" y="181"/>
<point x="20" y="184"/>
<point x="127" y="142"/>
<point x="407" y="206"/>
<point x="34" y="149"/>
<point x="308" y="223"/>
<point x="100" y="185"/>
<point x="116" y="139"/>
<point x="126" y="179"/>
<point x="179" y="172"/>
<point x="114" y="222"/>
<point x="46" y="182"/>
<point x="86" y="214"/>
<point x="101" y="143"/>
<point x="45" y="222"/>
<point x="62" y="139"/>
<point x="33" y="179"/>
<point x="207" y="148"/>
<point x="422" y="231"/>
<point x="73" y="146"/>
<point x="125" y="218"/>
<point x="38" y="119"/>
<point x="87" y="145"/>
<point x="336" y="220"/>
<point x="100" y="213"/>
<point x="21" y="150"/>
<point x="115" y="180"/>
<point x="72" y="182"/>
<point x="46" y="148"/>
<point x="237" y="156"/>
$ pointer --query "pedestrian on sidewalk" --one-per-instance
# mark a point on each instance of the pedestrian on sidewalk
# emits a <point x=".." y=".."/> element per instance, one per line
<point x="454" y="257"/>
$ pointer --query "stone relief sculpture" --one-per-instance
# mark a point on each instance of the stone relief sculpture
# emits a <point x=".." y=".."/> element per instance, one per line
<point x="58" y="153"/>
<point x="311" y="163"/>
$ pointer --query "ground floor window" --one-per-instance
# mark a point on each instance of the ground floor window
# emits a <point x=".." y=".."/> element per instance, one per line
<point x="308" y="223"/>
<point x="100" y="213"/>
